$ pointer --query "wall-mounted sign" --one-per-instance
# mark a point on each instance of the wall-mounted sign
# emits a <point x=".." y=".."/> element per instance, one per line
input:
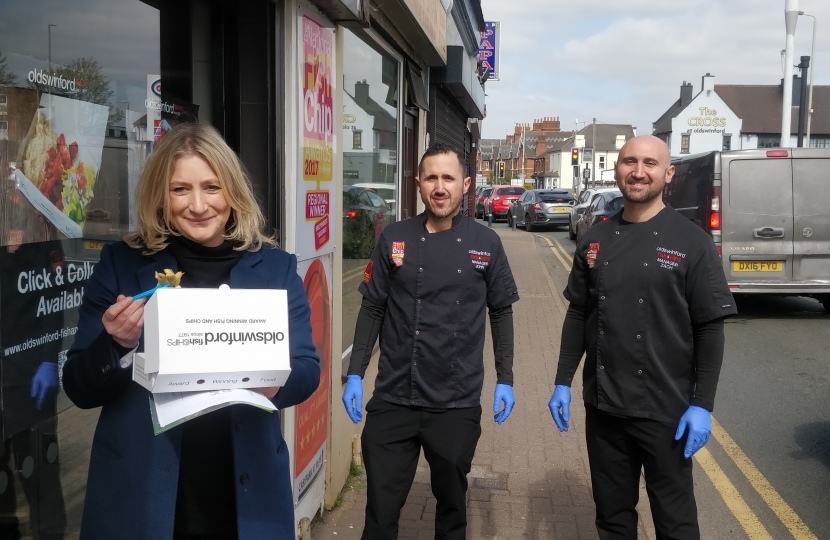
<point x="315" y="233"/>
<point x="488" y="49"/>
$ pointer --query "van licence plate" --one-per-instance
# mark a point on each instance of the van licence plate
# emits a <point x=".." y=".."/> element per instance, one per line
<point x="757" y="266"/>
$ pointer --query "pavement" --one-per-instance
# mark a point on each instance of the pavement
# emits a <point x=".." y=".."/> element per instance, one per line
<point x="527" y="479"/>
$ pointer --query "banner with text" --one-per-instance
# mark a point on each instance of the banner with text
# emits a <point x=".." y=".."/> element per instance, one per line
<point x="315" y="197"/>
<point x="488" y="49"/>
<point x="40" y="291"/>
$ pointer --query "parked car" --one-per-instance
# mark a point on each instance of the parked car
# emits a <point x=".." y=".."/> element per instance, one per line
<point x="482" y="192"/>
<point x="386" y="192"/>
<point x="365" y="214"/>
<point x="768" y="212"/>
<point x="601" y="209"/>
<point x="539" y="207"/>
<point x="498" y="202"/>
<point x="584" y="200"/>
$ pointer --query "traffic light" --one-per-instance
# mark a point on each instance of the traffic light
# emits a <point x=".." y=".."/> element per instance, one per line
<point x="574" y="156"/>
<point x="501" y="169"/>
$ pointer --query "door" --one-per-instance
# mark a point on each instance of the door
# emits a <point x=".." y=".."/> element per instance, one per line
<point x="757" y="224"/>
<point x="811" y="209"/>
<point x="407" y="197"/>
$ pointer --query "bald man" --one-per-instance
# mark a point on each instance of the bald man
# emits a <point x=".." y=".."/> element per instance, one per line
<point x="647" y="302"/>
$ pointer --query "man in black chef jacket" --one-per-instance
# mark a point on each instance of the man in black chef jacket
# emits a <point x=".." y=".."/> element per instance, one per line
<point x="424" y="292"/>
<point x="647" y="302"/>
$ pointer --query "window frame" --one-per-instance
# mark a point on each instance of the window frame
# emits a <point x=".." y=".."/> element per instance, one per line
<point x="685" y="143"/>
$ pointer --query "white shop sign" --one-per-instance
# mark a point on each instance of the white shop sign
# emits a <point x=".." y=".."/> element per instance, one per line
<point x="214" y="339"/>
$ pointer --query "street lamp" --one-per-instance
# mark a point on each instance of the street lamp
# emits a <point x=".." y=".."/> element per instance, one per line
<point x="790" y="20"/>
<point x="810" y="97"/>
<point x="49" y="45"/>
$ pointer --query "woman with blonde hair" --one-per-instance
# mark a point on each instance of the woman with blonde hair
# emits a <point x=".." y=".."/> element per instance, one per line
<point x="223" y="475"/>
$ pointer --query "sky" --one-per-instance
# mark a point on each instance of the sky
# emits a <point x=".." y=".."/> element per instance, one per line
<point x="622" y="62"/>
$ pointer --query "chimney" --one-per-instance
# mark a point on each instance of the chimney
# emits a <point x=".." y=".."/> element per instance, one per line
<point x="361" y="92"/>
<point x="685" y="94"/>
<point x="707" y="83"/>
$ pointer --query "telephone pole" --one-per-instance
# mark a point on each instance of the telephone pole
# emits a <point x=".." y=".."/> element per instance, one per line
<point x="594" y="153"/>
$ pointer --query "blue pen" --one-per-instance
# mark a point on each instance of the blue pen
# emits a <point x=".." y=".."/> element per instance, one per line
<point x="151" y="291"/>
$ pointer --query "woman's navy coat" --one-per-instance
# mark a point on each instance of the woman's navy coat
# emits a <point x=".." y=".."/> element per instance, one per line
<point x="133" y="474"/>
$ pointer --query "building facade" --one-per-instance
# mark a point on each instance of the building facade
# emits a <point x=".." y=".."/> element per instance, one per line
<point x="738" y="117"/>
<point x="329" y="104"/>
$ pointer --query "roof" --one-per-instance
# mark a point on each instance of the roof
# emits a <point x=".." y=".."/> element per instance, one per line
<point x="663" y="124"/>
<point x="606" y="138"/>
<point x="759" y="106"/>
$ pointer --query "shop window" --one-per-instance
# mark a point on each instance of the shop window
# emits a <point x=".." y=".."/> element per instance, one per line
<point x="370" y="97"/>
<point x="727" y="142"/>
<point x="684" y="143"/>
<point x="76" y="130"/>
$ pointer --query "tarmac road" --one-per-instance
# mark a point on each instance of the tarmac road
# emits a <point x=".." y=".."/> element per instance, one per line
<point x="767" y="470"/>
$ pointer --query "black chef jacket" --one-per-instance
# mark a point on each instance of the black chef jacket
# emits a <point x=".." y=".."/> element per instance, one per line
<point x="435" y="287"/>
<point x="643" y="286"/>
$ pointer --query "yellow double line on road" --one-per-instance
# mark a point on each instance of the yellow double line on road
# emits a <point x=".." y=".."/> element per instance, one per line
<point x="560" y="253"/>
<point x="730" y="494"/>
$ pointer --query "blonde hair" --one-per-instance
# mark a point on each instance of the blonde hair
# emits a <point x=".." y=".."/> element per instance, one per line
<point x="246" y="224"/>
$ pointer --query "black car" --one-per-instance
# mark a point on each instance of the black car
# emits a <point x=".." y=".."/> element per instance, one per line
<point x="365" y="214"/>
<point x="604" y="206"/>
<point x="539" y="207"/>
<point x="481" y="196"/>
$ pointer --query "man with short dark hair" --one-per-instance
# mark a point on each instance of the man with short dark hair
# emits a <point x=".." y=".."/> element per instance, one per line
<point x="647" y="302"/>
<point x="424" y="292"/>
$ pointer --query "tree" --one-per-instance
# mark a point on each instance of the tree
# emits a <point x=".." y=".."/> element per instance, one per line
<point x="508" y="177"/>
<point x="91" y="85"/>
<point x="7" y="78"/>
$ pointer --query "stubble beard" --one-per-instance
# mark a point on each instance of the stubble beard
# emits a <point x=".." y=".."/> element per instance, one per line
<point x="441" y="214"/>
<point x="647" y="197"/>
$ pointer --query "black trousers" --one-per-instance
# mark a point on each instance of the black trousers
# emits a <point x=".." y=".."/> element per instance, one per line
<point x="617" y="450"/>
<point x="392" y="441"/>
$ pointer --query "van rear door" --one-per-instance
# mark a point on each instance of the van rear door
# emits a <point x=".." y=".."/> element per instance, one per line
<point x="811" y="207"/>
<point x="757" y="219"/>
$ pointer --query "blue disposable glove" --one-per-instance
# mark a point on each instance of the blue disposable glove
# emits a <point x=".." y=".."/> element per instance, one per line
<point x="353" y="397"/>
<point x="699" y="422"/>
<point x="503" y="394"/>
<point x="561" y="399"/>
<point x="44" y="381"/>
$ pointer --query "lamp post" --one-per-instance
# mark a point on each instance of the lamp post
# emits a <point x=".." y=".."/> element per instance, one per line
<point x="810" y="96"/>
<point x="49" y="45"/>
<point x="790" y="20"/>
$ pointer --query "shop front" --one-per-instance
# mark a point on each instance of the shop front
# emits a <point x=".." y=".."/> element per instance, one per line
<point x="85" y="92"/>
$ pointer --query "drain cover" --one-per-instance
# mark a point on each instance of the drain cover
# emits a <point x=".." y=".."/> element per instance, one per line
<point x="488" y="483"/>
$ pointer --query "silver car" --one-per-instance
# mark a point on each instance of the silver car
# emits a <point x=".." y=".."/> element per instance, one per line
<point x="583" y="202"/>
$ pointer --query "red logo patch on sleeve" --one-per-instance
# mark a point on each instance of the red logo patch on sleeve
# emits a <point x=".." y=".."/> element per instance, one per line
<point x="367" y="274"/>
<point x="398" y="250"/>
<point x="591" y="256"/>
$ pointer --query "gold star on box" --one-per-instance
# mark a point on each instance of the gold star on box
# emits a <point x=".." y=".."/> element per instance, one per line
<point x="169" y="278"/>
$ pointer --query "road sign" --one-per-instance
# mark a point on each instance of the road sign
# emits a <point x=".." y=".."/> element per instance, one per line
<point x="587" y="155"/>
<point x="586" y="173"/>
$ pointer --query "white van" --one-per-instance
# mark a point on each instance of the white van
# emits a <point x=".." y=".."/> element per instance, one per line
<point x="768" y="211"/>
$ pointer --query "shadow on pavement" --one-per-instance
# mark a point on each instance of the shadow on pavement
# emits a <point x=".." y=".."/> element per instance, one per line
<point x="755" y="306"/>
<point x="814" y="442"/>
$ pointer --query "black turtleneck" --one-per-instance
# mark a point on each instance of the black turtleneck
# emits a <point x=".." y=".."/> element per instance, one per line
<point x="206" y="499"/>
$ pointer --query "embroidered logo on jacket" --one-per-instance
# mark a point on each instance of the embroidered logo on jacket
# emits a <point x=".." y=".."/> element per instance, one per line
<point x="398" y="252"/>
<point x="480" y="259"/>
<point x="591" y="256"/>
<point x="367" y="274"/>
<point x="669" y="258"/>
